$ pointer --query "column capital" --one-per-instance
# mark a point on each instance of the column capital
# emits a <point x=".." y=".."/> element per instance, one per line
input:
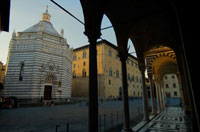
<point x="123" y="55"/>
<point x="92" y="35"/>
<point x="142" y="67"/>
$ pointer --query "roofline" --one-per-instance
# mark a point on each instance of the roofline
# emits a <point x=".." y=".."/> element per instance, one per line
<point x="103" y="41"/>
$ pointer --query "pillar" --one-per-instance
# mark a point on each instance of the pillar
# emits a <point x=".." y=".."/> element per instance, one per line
<point x="123" y="58"/>
<point x="144" y="93"/>
<point x="161" y="96"/>
<point x="158" y="97"/>
<point x="180" y="89"/>
<point x="154" y="111"/>
<point x="93" y="87"/>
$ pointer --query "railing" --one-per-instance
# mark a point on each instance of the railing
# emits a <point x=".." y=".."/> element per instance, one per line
<point x="108" y="122"/>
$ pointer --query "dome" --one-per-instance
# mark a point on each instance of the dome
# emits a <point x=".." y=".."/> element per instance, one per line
<point x="44" y="25"/>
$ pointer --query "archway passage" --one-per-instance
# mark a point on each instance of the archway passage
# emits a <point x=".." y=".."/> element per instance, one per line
<point x="160" y="62"/>
<point x="148" y="24"/>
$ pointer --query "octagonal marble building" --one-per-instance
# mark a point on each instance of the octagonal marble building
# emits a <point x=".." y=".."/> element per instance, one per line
<point x="39" y="64"/>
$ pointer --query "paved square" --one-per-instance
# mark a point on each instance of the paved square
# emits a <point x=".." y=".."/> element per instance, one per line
<point x="45" y="119"/>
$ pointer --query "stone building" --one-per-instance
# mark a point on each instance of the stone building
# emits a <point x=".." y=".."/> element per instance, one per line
<point x="2" y="75"/>
<point x="171" y="86"/>
<point x="2" y="72"/>
<point x="39" y="64"/>
<point x="109" y="72"/>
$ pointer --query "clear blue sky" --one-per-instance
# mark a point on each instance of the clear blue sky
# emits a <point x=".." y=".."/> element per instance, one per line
<point x="25" y="13"/>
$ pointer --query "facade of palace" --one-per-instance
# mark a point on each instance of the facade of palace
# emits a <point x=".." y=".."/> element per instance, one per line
<point x="109" y="72"/>
<point x="39" y="64"/>
<point x="171" y="85"/>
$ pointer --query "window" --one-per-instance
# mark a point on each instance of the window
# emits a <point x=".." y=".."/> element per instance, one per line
<point x="74" y="74"/>
<point x="74" y="65"/>
<point x="59" y="84"/>
<point x="109" y="82"/>
<point x="168" y="94"/>
<point x="165" y="77"/>
<point x="117" y="74"/>
<point x="173" y="77"/>
<point x="84" y="63"/>
<point x="110" y="72"/>
<point x="175" y="93"/>
<point x="110" y="53"/>
<point x="133" y="78"/>
<point x="74" y="57"/>
<point x="84" y="55"/>
<point x="21" y="73"/>
<point x="129" y="78"/>
<point x="136" y="79"/>
<point x="166" y="85"/>
<point x="174" y="85"/>
<point x="83" y="73"/>
<point x="116" y="56"/>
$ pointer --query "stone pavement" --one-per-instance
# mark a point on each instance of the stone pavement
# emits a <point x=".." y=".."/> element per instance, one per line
<point x="45" y="119"/>
<point x="172" y="119"/>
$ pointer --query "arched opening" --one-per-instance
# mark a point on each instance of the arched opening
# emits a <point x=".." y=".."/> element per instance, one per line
<point x="49" y="81"/>
<point x="161" y="62"/>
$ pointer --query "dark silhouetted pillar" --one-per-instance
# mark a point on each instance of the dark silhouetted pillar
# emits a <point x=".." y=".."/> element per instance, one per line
<point x="154" y="111"/>
<point x="123" y="58"/>
<point x="93" y="88"/>
<point x="144" y="89"/>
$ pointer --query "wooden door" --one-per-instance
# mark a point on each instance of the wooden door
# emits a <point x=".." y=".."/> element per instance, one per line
<point x="47" y="92"/>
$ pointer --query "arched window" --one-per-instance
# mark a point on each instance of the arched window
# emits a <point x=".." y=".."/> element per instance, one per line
<point x="21" y="73"/>
<point x="84" y="73"/>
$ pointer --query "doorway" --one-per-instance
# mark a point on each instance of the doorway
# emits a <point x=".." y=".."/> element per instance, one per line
<point x="47" y="92"/>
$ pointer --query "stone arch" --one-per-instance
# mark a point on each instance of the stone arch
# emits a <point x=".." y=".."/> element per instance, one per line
<point x="50" y="78"/>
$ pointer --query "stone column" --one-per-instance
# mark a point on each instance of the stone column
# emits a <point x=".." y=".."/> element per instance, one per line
<point x="123" y="58"/>
<point x="154" y="111"/>
<point x="93" y="87"/>
<point x="144" y="93"/>
<point x="158" y="96"/>
<point x="182" y="95"/>
<point x="161" y="96"/>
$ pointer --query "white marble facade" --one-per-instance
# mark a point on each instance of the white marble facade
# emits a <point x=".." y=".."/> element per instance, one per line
<point x="39" y="64"/>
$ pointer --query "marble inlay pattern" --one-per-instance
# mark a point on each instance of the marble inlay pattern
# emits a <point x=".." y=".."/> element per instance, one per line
<point x="172" y="119"/>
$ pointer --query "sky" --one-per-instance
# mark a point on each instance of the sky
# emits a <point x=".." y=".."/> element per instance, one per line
<point x="26" y="13"/>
